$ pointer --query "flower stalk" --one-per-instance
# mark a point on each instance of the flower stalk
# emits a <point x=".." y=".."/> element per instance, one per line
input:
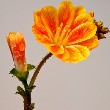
<point x="28" y="88"/>
<point x="38" y="69"/>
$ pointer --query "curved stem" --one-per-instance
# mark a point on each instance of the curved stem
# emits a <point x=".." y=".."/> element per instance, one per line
<point x="38" y="69"/>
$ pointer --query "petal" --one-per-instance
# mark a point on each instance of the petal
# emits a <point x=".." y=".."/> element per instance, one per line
<point x="65" y="16"/>
<point x="90" y="43"/>
<point x="79" y="10"/>
<point x="48" y="17"/>
<point x="45" y="21"/>
<point x="37" y="17"/>
<point x="83" y="50"/>
<point x="66" y="13"/>
<point x="75" y="54"/>
<point x="82" y="18"/>
<point x="43" y="39"/>
<point x="55" y="49"/>
<point x="39" y="29"/>
<point x="64" y="56"/>
<point x="81" y="33"/>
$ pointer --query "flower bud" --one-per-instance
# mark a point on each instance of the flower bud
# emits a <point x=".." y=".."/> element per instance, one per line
<point x="17" y="46"/>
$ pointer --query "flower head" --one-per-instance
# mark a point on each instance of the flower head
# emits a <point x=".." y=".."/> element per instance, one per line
<point x="67" y="32"/>
<point x="16" y="44"/>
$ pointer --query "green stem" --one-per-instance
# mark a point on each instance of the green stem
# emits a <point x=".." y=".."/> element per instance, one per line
<point x="38" y="69"/>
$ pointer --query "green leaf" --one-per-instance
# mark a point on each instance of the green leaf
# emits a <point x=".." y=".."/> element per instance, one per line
<point x="20" y="91"/>
<point x="32" y="106"/>
<point x="30" y="67"/>
<point x="30" y="88"/>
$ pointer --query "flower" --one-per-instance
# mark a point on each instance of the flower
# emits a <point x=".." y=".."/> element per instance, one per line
<point x="67" y="32"/>
<point x="16" y="44"/>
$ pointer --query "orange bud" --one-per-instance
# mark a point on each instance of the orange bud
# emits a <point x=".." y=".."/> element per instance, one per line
<point x="17" y="46"/>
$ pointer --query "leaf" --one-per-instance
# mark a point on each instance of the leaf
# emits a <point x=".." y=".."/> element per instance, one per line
<point x="32" y="106"/>
<point x="20" y="91"/>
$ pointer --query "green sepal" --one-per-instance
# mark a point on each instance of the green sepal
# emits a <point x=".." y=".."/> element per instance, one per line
<point x="14" y="72"/>
<point x="30" y="67"/>
<point x="20" y="75"/>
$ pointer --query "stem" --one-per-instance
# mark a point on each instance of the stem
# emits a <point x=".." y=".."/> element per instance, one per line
<point x="27" y="96"/>
<point x="27" y="101"/>
<point x="38" y="69"/>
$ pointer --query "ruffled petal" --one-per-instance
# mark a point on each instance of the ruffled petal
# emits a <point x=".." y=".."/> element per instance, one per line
<point x="83" y="50"/>
<point x="40" y="29"/>
<point x="56" y="49"/>
<point x="37" y="17"/>
<point x="66" y="13"/>
<point x="64" y="56"/>
<point x="75" y="54"/>
<point x="48" y="16"/>
<point x="82" y="18"/>
<point x="43" y="39"/>
<point x="81" y="33"/>
<point x="79" y="10"/>
<point x="90" y="43"/>
<point x="65" y="18"/>
<point x="45" y="21"/>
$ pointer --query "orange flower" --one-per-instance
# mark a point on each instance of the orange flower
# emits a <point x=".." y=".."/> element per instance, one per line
<point x="16" y="44"/>
<point x="68" y="33"/>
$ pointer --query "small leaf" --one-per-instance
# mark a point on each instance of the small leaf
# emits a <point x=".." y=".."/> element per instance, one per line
<point x="30" y="88"/>
<point x="30" y="67"/>
<point x="20" y="91"/>
<point x="32" y="106"/>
